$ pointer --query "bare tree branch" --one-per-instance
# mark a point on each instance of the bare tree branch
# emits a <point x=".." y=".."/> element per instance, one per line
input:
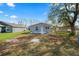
<point x="68" y="10"/>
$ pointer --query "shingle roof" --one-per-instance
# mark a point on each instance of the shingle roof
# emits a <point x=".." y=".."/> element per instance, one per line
<point x="1" y="25"/>
<point x="40" y="23"/>
<point x="16" y="25"/>
<point x="11" y="24"/>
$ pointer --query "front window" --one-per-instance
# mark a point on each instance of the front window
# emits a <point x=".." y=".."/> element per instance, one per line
<point x="47" y="27"/>
<point x="36" y="28"/>
<point x="8" y="29"/>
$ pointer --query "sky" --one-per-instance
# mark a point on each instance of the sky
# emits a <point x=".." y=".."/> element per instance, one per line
<point x="28" y="12"/>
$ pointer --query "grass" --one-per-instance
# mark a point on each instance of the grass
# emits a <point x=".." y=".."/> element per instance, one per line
<point x="45" y="47"/>
<point x="5" y="36"/>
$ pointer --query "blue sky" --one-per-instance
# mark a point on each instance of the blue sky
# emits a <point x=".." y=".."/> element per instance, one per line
<point x="31" y="12"/>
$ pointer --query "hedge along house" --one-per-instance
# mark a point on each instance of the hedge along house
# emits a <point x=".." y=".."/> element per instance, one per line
<point x="11" y="27"/>
<point x="40" y="28"/>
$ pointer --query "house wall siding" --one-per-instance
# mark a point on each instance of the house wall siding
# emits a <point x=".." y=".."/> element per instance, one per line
<point x="41" y="29"/>
<point x="8" y="27"/>
<point x="18" y="29"/>
<point x="33" y="29"/>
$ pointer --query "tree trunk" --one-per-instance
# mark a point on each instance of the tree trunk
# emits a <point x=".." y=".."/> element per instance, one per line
<point x="72" y="29"/>
<point x="74" y="19"/>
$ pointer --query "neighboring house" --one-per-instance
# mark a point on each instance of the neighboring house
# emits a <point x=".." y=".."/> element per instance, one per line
<point x="40" y="28"/>
<point x="11" y="27"/>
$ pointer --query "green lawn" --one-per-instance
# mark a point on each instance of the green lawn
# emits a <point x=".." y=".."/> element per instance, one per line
<point x="5" y="36"/>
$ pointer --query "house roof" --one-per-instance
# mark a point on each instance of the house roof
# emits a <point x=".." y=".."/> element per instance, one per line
<point x="11" y="24"/>
<point x="1" y="25"/>
<point x="16" y="25"/>
<point x="39" y="24"/>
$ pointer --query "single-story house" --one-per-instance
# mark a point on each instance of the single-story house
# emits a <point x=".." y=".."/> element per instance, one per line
<point x="11" y="27"/>
<point x="41" y="28"/>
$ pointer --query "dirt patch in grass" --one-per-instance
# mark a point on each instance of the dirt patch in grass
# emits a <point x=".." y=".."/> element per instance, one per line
<point x="41" y="36"/>
<point x="22" y="45"/>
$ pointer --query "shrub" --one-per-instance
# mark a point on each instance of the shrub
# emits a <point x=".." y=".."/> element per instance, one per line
<point x="26" y="32"/>
<point x="71" y="34"/>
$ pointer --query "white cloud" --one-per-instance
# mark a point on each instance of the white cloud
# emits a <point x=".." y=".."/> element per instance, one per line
<point x="1" y="12"/>
<point x="11" y="4"/>
<point x="13" y="16"/>
<point x="5" y="15"/>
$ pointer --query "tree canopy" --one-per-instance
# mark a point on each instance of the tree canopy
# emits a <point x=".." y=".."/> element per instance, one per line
<point x="67" y="13"/>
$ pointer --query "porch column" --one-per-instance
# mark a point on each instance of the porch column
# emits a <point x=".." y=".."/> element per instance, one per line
<point x="42" y="32"/>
